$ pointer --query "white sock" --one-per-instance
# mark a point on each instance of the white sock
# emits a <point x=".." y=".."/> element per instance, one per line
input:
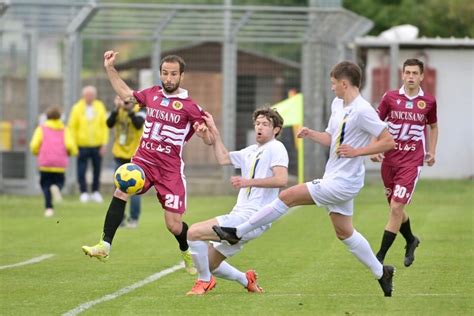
<point x="360" y="248"/>
<point x="228" y="272"/>
<point x="268" y="214"/>
<point x="199" y="251"/>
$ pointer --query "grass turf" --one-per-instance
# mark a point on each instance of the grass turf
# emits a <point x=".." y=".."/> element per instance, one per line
<point x="303" y="268"/>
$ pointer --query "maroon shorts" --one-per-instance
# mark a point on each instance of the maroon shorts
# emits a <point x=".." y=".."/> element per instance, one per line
<point x="170" y="187"/>
<point x="399" y="182"/>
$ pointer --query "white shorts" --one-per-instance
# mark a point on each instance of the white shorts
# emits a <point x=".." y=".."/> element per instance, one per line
<point x="234" y="219"/>
<point x="333" y="195"/>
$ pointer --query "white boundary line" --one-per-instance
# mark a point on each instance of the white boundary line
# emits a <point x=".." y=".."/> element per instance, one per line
<point x="31" y="261"/>
<point x="363" y="295"/>
<point x="81" y="308"/>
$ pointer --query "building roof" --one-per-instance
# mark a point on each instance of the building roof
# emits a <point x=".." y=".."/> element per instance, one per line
<point x="208" y="57"/>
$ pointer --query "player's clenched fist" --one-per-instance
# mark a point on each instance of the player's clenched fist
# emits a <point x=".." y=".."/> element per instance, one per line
<point x="109" y="58"/>
<point x="303" y="132"/>
<point x="377" y="157"/>
<point x="239" y="182"/>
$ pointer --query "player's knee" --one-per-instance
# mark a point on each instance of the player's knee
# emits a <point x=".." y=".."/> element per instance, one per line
<point x="121" y="195"/>
<point x="193" y="233"/>
<point x="286" y="197"/>
<point x="283" y="195"/>
<point x="397" y="208"/>
<point x="343" y="232"/>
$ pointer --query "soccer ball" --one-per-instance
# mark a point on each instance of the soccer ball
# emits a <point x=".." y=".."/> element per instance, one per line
<point x="129" y="178"/>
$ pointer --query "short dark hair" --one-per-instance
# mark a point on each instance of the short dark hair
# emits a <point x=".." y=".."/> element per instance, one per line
<point x="53" y="113"/>
<point x="347" y="70"/>
<point x="272" y="115"/>
<point x="414" y="62"/>
<point x="174" y="59"/>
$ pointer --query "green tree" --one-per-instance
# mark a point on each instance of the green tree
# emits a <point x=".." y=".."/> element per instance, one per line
<point x="432" y="17"/>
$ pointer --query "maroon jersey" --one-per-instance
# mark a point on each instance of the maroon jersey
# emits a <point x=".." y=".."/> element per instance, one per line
<point x="167" y="127"/>
<point x="407" y="119"/>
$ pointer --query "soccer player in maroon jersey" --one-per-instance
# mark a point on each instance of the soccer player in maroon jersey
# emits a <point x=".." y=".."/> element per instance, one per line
<point x="408" y="111"/>
<point x="171" y="119"/>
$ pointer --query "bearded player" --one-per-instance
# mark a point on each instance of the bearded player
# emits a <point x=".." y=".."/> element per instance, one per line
<point x="171" y="119"/>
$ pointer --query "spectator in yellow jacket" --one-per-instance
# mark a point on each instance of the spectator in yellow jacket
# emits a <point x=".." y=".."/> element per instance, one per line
<point x="52" y="143"/>
<point x="89" y="130"/>
<point x="127" y="121"/>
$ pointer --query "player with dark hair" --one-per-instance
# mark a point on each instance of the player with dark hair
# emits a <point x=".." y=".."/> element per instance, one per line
<point x="264" y="167"/>
<point x="352" y="124"/>
<point x="407" y="111"/>
<point x="172" y="117"/>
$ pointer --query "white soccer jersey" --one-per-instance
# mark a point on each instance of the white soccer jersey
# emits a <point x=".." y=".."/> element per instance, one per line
<point x="354" y="125"/>
<point x="256" y="162"/>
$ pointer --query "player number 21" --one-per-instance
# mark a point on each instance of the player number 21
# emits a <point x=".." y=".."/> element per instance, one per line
<point x="171" y="201"/>
<point x="400" y="191"/>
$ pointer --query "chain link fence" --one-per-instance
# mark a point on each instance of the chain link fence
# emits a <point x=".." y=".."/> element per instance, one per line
<point x="238" y="58"/>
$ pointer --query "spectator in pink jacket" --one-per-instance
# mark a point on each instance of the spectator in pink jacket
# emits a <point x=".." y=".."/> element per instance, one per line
<point x="52" y="143"/>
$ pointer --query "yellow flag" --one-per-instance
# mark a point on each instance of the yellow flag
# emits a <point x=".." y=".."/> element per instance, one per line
<point x="291" y="110"/>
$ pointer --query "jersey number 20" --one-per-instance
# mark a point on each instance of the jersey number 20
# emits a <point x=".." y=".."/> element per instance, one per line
<point x="400" y="191"/>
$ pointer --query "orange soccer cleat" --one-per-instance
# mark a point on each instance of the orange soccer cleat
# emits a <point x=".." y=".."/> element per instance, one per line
<point x="252" y="285"/>
<point x="202" y="287"/>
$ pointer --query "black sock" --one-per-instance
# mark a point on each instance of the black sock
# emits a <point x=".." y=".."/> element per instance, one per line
<point x="113" y="218"/>
<point x="182" y="238"/>
<point x="387" y="241"/>
<point x="405" y="230"/>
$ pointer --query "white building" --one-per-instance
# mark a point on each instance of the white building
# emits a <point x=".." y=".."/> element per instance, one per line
<point x="449" y="76"/>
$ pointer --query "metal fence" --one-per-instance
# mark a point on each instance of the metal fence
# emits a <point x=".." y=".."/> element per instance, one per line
<point x="238" y="58"/>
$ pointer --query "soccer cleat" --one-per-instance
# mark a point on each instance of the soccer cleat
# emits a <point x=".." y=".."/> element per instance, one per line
<point x="202" y="287"/>
<point x="410" y="252"/>
<point x="386" y="280"/>
<point x="188" y="262"/>
<point x="226" y="233"/>
<point x="252" y="286"/>
<point x="100" y="251"/>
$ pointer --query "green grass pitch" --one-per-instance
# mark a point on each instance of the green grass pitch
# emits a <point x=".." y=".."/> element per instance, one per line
<point x="303" y="268"/>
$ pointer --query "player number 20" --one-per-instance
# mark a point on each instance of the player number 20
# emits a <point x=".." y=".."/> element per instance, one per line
<point x="171" y="201"/>
<point x="400" y="191"/>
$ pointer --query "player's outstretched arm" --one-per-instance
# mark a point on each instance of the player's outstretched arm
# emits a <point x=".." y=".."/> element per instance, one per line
<point x="322" y="138"/>
<point x="221" y="153"/>
<point x="120" y="87"/>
